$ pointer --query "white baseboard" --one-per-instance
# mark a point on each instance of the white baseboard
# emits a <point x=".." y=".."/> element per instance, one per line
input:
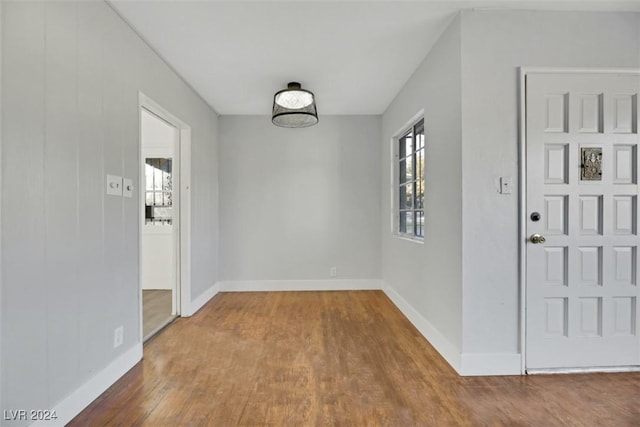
<point x="447" y="350"/>
<point x="200" y="301"/>
<point x="300" y="285"/>
<point x="476" y="364"/>
<point x="280" y="285"/>
<point x="465" y="364"/>
<point x="73" y="404"/>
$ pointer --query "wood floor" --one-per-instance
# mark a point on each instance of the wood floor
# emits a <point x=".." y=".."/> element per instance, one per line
<point x="156" y="311"/>
<point x="335" y="359"/>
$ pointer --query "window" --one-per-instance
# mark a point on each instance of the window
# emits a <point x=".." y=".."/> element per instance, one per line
<point x="410" y="183"/>
<point x="158" y="191"/>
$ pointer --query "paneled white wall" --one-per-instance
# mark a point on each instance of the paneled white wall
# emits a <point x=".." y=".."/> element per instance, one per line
<point x="71" y="72"/>
<point x="295" y="202"/>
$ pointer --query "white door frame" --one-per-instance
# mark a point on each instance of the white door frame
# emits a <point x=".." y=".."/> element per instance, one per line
<point x="183" y="157"/>
<point x="522" y="187"/>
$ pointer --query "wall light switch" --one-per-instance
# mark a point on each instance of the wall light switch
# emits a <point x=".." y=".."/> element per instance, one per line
<point x="127" y="187"/>
<point x="114" y="185"/>
<point x="506" y="185"/>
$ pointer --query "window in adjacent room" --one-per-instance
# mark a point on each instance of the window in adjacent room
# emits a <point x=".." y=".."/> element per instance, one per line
<point x="158" y="191"/>
<point x="410" y="182"/>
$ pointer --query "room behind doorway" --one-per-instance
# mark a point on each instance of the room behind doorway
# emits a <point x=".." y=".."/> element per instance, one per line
<point x="158" y="237"/>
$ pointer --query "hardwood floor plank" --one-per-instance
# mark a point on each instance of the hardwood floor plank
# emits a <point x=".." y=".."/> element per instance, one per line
<point x="335" y="359"/>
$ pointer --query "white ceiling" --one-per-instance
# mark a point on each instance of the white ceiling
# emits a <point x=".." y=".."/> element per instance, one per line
<point x="355" y="56"/>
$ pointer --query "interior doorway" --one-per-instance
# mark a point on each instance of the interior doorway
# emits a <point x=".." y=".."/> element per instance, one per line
<point x="159" y="140"/>
<point x="163" y="237"/>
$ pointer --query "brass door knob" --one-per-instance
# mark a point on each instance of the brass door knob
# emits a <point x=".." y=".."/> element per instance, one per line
<point x="537" y="239"/>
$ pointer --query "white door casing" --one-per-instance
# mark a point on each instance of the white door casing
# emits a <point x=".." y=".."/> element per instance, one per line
<point x="182" y="157"/>
<point x="581" y="292"/>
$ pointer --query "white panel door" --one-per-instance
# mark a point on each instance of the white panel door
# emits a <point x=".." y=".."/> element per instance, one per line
<point x="582" y="182"/>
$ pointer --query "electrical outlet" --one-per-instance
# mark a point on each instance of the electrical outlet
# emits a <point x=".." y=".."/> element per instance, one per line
<point x="118" y="336"/>
<point x="333" y="272"/>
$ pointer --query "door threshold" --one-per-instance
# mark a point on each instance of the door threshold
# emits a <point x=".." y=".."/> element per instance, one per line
<point x="157" y="330"/>
<point x="588" y="370"/>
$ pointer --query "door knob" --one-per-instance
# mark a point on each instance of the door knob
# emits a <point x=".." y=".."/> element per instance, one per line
<point x="537" y="238"/>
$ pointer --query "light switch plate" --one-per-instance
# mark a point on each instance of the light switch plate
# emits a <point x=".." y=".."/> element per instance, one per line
<point x="506" y="185"/>
<point x="114" y="185"/>
<point x="127" y="187"/>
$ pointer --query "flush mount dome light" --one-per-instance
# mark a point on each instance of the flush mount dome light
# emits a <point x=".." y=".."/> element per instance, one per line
<point x="294" y="107"/>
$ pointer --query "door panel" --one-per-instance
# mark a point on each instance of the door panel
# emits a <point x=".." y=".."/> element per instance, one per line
<point x="582" y="157"/>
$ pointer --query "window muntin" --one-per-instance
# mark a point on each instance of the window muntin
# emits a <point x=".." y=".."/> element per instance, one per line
<point x="411" y="186"/>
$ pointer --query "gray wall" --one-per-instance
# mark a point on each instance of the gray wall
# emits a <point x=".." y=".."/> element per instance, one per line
<point x="428" y="275"/>
<point x="309" y="198"/>
<point x="71" y="73"/>
<point x="464" y="279"/>
<point x="295" y="202"/>
<point x="495" y="44"/>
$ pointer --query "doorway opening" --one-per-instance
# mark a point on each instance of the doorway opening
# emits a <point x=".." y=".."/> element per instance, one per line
<point x="163" y="202"/>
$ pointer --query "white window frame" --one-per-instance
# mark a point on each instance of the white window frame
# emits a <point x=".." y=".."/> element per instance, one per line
<point x="409" y="127"/>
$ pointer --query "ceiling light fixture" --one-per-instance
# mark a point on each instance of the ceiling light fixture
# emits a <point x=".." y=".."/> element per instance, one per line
<point x="294" y="107"/>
